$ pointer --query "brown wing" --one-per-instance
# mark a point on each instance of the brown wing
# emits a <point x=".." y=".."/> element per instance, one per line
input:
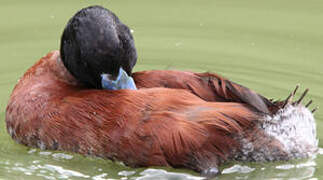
<point x="155" y="126"/>
<point x="208" y="86"/>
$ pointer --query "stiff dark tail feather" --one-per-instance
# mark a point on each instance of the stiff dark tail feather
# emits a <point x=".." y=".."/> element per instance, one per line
<point x="289" y="101"/>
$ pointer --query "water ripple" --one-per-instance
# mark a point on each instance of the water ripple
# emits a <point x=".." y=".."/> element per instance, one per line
<point x="238" y="169"/>
<point x="159" y="174"/>
<point x="63" y="173"/>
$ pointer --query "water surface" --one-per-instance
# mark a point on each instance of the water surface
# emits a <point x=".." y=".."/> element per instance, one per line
<point x="268" y="46"/>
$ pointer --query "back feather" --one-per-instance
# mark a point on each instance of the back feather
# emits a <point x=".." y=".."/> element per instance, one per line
<point x="208" y="86"/>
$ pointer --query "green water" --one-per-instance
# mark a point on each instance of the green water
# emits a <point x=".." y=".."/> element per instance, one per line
<point x="269" y="46"/>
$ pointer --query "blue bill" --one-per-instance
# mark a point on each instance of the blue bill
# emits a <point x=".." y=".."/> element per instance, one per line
<point x="123" y="81"/>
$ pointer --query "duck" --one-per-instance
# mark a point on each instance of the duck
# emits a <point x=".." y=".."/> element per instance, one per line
<point x="86" y="99"/>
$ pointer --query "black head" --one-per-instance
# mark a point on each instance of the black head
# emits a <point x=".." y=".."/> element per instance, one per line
<point x="95" y="41"/>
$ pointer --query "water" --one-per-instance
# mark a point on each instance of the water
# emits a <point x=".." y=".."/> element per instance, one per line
<point x="269" y="46"/>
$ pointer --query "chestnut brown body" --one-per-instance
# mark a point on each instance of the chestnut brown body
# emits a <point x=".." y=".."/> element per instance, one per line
<point x="178" y="119"/>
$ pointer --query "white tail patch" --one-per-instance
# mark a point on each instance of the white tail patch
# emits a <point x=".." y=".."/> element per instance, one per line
<point x="295" y="127"/>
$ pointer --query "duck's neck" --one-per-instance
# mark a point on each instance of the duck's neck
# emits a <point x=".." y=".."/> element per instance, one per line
<point x="60" y="70"/>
